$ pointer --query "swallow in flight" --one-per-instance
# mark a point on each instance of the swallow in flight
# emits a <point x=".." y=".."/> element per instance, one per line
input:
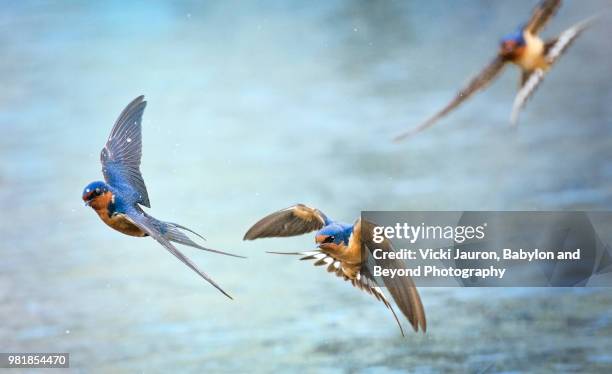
<point x="524" y="48"/>
<point x="343" y="249"/>
<point x="117" y="201"/>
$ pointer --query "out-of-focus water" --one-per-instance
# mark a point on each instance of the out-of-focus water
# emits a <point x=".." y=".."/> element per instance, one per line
<point x="254" y="106"/>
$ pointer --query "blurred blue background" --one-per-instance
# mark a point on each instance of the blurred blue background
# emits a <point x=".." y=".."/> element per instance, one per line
<point x="255" y="106"/>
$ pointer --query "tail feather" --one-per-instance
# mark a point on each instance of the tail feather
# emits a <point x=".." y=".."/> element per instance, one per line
<point x="284" y="253"/>
<point x="172" y="232"/>
<point x="186" y="229"/>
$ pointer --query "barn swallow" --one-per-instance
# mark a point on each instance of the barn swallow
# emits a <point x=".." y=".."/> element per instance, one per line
<point x="343" y="249"/>
<point x="524" y="48"/>
<point x="117" y="201"/>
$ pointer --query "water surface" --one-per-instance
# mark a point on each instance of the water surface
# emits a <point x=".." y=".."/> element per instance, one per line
<point x="255" y="106"/>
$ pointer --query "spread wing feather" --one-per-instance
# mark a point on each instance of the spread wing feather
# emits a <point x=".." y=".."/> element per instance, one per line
<point x="556" y="47"/>
<point x="295" y="220"/>
<point x="542" y="13"/>
<point x="364" y="281"/>
<point x="479" y="82"/>
<point x="402" y="289"/>
<point x="531" y="81"/>
<point x="121" y="155"/>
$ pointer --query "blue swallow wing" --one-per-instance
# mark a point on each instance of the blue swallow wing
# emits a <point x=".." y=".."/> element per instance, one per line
<point x="479" y="82"/>
<point x="542" y="13"/>
<point x="121" y="155"/>
<point x="295" y="220"/>
<point x="155" y="229"/>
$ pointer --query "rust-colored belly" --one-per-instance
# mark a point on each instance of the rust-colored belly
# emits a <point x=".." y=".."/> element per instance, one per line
<point x="351" y="270"/>
<point x="122" y="223"/>
<point x="533" y="56"/>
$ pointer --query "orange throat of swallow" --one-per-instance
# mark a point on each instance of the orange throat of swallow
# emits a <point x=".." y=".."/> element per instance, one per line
<point x="347" y="254"/>
<point x="325" y="242"/>
<point x="100" y="203"/>
<point x="329" y="247"/>
<point x="119" y="222"/>
<point x="511" y="50"/>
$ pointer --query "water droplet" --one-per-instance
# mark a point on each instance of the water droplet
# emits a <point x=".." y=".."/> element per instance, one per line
<point x="129" y="140"/>
<point x="67" y="332"/>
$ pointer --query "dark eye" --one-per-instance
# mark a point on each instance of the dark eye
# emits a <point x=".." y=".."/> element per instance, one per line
<point x="98" y="191"/>
<point x="329" y="239"/>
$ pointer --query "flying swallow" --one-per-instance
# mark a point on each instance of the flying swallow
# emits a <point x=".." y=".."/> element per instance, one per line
<point x="524" y="48"/>
<point x="117" y="201"/>
<point x="343" y="249"/>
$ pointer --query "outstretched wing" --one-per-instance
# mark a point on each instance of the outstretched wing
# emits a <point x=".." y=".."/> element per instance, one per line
<point x="556" y="47"/>
<point x="121" y="155"/>
<point x="553" y="50"/>
<point x="363" y="281"/>
<point x="344" y="265"/>
<point x="542" y="13"/>
<point x="295" y="220"/>
<point x="402" y="289"/>
<point x="531" y="81"/>
<point x="479" y="82"/>
<point x="151" y="226"/>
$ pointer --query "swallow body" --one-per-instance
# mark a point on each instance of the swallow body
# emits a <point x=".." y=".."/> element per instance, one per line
<point x="342" y="249"/>
<point x="531" y="56"/>
<point x="108" y="206"/>
<point x="527" y="50"/>
<point x="118" y="200"/>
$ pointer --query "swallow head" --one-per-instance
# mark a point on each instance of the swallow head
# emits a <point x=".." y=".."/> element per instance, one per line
<point x="512" y="45"/>
<point x="331" y="237"/>
<point x="93" y="191"/>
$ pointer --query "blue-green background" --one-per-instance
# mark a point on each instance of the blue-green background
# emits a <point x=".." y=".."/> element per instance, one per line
<point x="255" y="106"/>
